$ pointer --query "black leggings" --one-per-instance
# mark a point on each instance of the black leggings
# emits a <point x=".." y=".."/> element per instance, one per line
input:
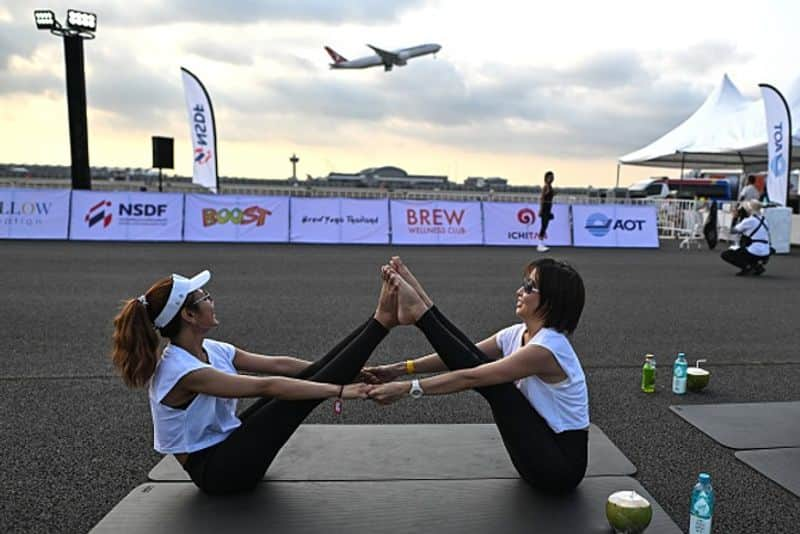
<point x="240" y="461"/>
<point x="545" y="216"/>
<point x="551" y="462"/>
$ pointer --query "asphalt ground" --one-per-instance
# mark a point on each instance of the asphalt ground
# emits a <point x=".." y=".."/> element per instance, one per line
<point x="75" y="441"/>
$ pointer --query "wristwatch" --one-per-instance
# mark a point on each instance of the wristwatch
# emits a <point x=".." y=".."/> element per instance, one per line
<point x="416" y="390"/>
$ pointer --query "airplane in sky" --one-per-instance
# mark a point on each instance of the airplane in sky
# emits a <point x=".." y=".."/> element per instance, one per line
<point x="387" y="58"/>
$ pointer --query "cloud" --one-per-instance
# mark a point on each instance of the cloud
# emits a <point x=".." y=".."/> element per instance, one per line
<point x="701" y="57"/>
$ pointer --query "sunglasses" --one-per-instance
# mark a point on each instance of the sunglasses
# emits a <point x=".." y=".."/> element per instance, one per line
<point x="206" y="296"/>
<point x="529" y="287"/>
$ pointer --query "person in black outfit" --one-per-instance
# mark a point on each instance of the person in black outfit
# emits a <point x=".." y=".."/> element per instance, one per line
<point x="545" y="209"/>
<point x="528" y="373"/>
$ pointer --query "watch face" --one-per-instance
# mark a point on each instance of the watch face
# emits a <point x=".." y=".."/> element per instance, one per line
<point x="416" y="393"/>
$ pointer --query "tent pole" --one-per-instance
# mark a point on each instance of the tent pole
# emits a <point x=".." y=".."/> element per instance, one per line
<point x="617" y="186"/>
<point x="680" y="185"/>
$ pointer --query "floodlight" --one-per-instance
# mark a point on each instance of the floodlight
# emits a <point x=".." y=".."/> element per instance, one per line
<point x="45" y="19"/>
<point x="81" y="20"/>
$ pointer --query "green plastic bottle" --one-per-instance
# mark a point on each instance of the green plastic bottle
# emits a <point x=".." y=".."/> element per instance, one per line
<point x="649" y="374"/>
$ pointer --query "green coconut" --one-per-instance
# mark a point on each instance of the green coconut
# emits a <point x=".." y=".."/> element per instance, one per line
<point x="697" y="378"/>
<point x="628" y="512"/>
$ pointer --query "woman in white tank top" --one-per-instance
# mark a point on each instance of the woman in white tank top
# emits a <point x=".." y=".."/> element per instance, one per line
<point x="529" y="373"/>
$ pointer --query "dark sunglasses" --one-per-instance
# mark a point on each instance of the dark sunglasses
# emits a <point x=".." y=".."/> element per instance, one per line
<point x="206" y="296"/>
<point x="529" y="287"/>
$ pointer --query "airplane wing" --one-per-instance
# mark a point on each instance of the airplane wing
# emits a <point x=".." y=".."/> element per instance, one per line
<point x="389" y="58"/>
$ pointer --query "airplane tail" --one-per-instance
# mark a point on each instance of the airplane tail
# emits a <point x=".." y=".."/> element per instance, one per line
<point x="334" y="55"/>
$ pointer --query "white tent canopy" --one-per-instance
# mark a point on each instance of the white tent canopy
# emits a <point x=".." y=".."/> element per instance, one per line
<point x="727" y="132"/>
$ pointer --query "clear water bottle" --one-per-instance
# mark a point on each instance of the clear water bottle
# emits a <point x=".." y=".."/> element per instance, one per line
<point x="649" y="374"/>
<point x="702" y="506"/>
<point x="679" y="374"/>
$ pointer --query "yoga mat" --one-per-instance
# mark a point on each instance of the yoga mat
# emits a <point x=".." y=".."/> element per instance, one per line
<point x="759" y="425"/>
<point x="407" y="452"/>
<point x="402" y="506"/>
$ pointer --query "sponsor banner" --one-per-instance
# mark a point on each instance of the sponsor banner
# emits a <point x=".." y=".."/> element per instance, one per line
<point x="340" y="220"/>
<point x="110" y="216"/>
<point x="34" y="214"/>
<point x="506" y="223"/>
<point x="424" y="222"/>
<point x="779" y="144"/>
<point x="612" y="225"/>
<point x="202" y="131"/>
<point x="236" y="218"/>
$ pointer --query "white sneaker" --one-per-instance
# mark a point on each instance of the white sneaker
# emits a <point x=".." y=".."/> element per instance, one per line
<point x="542" y="248"/>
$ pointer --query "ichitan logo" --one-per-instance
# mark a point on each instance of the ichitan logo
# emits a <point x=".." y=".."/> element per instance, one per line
<point x="100" y="212"/>
<point x="252" y="215"/>
<point x="526" y="216"/>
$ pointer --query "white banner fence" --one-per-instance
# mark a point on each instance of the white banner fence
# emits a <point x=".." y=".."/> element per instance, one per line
<point x="136" y="216"/>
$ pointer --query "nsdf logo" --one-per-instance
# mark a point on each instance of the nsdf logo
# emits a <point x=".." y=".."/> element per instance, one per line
<point x="102" y="214"/>
<point x="599" y="224"/>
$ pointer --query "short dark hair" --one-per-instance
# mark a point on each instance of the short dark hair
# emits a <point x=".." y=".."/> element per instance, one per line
<point x="561" y="293"/>
<point x="549" y="173"/>
<point x="751" y="179"/>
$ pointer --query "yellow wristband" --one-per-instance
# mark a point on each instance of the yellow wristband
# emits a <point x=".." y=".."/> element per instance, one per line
<point x="409" y="367"/>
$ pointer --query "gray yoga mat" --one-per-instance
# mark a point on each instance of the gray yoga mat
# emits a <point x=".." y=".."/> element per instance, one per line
<point x="403" y="452"/>
<point x="759" y="425"/>
<point x="443" y="506"/>
<point x="781" y="466"/>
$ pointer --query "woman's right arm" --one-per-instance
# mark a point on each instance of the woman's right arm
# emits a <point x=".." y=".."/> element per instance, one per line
<point x="219" y="384"/>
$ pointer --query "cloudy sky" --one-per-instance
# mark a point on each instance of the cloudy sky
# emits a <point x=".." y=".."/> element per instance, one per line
<point x="518" y="87"/>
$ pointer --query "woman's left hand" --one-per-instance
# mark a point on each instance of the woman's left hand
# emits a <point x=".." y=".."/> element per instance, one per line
<point x="389" y="393"/>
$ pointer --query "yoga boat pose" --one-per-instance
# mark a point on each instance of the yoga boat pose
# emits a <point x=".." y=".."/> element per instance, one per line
<point x="528" y="372"/>
<point x="193" y="385"/>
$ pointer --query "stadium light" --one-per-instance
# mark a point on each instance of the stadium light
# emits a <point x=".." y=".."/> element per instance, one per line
<point x="45" y="19"/>
<point x="81" y="20"/>
<point x="80" y="25"/>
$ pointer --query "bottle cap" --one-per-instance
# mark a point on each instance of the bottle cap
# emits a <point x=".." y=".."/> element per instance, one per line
<point x="681" y="355"/>
<point x="648" y="356"/>
<point x="704" y="477"/>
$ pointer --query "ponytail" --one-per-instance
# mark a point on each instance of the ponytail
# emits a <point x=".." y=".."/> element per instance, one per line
<point x="135" y="341"/>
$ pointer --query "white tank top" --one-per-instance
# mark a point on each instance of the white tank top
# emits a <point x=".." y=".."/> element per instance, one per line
<point x="564" y="405"/>
<point x="207" y="420"/>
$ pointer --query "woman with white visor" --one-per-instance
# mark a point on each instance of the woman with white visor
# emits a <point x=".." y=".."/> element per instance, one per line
<point x="194" y="383"/>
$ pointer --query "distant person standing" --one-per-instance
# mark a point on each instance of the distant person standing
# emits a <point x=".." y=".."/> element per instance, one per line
<point x="749" y="192"/>
<point x="545" y="209"/>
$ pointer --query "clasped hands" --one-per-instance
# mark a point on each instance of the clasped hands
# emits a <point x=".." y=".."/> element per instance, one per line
<point x="379" y="384"/>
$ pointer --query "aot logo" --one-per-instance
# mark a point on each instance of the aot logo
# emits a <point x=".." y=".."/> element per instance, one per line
<point x="778" y="163"/>
<point x="252" y="215"/>
<point x="526" y="216"/>
<point x="99" y="212"/>
<point x="598" y="224"/>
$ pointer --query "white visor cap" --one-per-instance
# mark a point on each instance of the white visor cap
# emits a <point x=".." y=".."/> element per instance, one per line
<point x="181" y="288"/>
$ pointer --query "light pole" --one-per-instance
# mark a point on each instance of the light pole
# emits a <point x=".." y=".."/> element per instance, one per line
<point x="80" y="25"/>
<point x="294" y="159"/>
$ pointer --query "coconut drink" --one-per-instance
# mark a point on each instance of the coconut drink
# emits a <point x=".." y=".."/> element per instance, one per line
<point x="628" y="512"/>
<point x="697" y="378"/>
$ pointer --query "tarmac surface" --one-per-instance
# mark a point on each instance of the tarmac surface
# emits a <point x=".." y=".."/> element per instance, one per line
<point x="75" y="441"/>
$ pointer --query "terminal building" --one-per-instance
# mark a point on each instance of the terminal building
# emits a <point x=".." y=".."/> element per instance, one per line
<point x="387" y="176"/>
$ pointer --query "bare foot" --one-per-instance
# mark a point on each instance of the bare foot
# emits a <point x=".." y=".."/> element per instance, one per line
<point x="405" y="273"/>
<point x="386" y="312"/>
<point x="410" y="307"/>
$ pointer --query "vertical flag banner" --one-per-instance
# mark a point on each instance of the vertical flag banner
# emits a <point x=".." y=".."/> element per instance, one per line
<point x="203" y="132"/>
<point x="779" y="144"/>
